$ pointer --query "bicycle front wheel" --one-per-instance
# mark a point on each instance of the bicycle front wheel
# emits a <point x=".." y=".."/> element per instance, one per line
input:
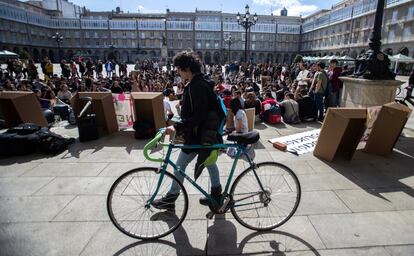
<point x="127" y="199"/>
<point x="265" y="197"/>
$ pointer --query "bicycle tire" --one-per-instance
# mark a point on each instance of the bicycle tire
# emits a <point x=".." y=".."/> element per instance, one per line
<point x="246" y="192"/>
<point x="143" y="181"/>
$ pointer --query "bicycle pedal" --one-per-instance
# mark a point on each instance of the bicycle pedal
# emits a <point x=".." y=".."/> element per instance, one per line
<point x="210" y="215"/>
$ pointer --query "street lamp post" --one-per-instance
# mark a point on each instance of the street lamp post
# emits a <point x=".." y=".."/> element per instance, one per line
<point x="229" y="41"/>
<point x="246" y="23"/>
<point x="374" y="64"/>
<point x="58" y="38"/>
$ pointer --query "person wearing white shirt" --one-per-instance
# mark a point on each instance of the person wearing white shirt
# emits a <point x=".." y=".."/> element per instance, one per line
<point x="240" y="117"/>
<point x="302" y="77"/>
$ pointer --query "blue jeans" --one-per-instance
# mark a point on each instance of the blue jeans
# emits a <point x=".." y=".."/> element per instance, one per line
<point x="319" y="104"/>
<point x="183" y="160"/>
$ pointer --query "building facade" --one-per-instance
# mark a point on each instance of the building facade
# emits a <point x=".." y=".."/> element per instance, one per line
<point x="344" y="29"/>
<point x="347" y="27"/>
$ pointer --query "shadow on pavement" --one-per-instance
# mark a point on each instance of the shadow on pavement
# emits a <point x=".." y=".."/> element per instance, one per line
<point x="222" y="240"/>
<point x="380" y="174"/>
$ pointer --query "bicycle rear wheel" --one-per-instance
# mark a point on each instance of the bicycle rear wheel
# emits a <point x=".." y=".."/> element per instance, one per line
<point x="266" y="209"/>
<point x="128" y="196"/>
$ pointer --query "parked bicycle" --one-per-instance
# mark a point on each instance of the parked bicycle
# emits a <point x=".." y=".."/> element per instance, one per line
<point x="262" y="197"/>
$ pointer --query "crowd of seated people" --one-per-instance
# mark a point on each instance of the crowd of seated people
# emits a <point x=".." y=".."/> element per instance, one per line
<point x="302" y="89"/>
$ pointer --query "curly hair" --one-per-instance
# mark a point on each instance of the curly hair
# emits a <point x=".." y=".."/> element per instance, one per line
<point x="188" y="59"/>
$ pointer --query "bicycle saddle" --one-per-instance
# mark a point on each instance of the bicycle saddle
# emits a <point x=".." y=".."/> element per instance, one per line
<point x="244" y="138"/>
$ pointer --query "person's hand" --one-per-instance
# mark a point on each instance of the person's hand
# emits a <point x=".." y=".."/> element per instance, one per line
<point x="170" y="130"/>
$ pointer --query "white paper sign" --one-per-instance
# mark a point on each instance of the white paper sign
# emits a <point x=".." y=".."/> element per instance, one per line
<point x="300" y="143"/>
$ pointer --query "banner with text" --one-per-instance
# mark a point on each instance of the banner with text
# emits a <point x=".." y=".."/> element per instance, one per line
<point x="300" y="143"/>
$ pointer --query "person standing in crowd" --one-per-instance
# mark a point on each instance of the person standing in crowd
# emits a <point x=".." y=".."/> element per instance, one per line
<point x="74" y="69"/>
<point x="98" y="69"/>
<point x="334" y="73"/>
<point x="32" y="70"/>
<point x="89" y="67"/>
<point x="320" y="86"/>
<point x="302" y="77"/>
<point x="49" y="70"/>
<point x="82" y="68"/>
<point x="108" y="69"/>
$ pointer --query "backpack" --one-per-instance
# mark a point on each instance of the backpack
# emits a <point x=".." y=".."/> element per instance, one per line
<point x="222" y="113"/>
<point x="220" y="107"/>
<point x="273" y="115"/>
<point x="144" y="130"/>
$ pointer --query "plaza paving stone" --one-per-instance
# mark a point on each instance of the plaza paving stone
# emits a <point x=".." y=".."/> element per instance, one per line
<point x="56" y="205"/>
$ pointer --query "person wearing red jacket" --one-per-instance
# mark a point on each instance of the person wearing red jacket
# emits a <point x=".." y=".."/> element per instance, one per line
<point x="268" y="102"/>
<point x="333" y="75"/>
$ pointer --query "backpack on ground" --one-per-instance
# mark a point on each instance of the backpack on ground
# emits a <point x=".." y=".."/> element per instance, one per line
<point x="30" y="138"/>
<point x="273" y="115"/>
<point x="144" y="130"/>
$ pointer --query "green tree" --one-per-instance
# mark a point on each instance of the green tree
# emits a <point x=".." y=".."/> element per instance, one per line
<point x="298" y="58"/>
<point x="24" y="55"/>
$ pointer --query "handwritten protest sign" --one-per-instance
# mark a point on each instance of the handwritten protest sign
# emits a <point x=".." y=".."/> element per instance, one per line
<point x="300" y="143"/>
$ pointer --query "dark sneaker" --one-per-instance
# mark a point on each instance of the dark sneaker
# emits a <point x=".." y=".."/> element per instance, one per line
<point x="167" y="202"/>
<point x="215" y="193"/>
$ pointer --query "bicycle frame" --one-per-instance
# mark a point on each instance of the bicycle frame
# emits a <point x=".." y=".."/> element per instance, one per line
<point x="241" y="150"/>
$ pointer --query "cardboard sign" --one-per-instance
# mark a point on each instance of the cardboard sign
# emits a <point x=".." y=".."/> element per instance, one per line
<point x="21" y="107"/>
<point x="123" y="110"/>
<point x="149" y="106"/>
<point x="341" y="132"/>
<point x="387" y="127"/>
<point x="102" y="107"/>
<point x="300" y="143"/>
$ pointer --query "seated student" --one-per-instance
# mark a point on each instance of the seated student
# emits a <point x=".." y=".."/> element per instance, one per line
<point x="240" y="117"/>
<point x="227" y="98"/>
<point x="252" y="102"/>
<point x="267" y="102"/>
<point x="64" y="94"/>
<point x="308" y="111"/>
<point x="290" y="109"/>
<point x="168" y="93"/>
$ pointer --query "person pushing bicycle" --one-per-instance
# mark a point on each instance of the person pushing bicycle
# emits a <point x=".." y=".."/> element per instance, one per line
<point x="199" y="126"/>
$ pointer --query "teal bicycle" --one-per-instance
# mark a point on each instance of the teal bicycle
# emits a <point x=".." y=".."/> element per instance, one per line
<point x="262" y="197"/>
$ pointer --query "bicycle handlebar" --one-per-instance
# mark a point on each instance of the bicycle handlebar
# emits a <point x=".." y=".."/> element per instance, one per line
<point x="151" y="144"/>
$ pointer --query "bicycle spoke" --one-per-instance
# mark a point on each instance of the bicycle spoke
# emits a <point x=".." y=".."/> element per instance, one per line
<point x="264" y="210"/>
<point x="128" y="197"/>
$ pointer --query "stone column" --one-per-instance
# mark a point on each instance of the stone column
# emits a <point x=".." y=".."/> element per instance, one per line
<point x="361" y="93"/>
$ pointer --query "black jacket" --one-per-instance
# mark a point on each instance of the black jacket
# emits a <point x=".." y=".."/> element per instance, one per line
<point x="197" y="104"/>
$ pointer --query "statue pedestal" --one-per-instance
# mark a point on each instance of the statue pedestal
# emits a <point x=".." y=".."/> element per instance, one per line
<point x="164" y="52"/>
<point x="361" y="93"/>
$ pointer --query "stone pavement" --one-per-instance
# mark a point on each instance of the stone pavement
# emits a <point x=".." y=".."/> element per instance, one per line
<point x="57" y="205"/>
